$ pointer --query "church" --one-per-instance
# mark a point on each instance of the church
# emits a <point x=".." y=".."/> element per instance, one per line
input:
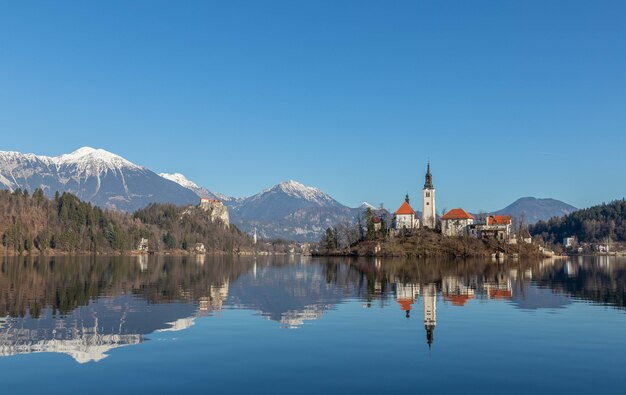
<point x="429" y="216"/>
<point x="405" y="217"/>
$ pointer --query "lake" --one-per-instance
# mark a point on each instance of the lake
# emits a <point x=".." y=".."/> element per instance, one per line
<point x="301" y="325"/>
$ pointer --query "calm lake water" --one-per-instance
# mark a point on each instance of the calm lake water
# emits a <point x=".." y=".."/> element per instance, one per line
<point x="298" y="325"/>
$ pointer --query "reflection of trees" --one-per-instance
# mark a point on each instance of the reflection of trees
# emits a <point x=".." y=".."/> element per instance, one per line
<point x="28" y="285"/>
<point x="594" y="280"/>
<point x="600" y="283"/>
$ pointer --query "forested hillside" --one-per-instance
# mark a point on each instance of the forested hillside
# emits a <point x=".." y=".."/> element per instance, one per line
<point x="590" y="225"/>
<point x="67" y="224"/>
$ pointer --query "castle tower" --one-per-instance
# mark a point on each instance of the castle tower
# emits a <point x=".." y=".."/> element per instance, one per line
<point x="429" y="217"/>
<point x="430" y="311"/>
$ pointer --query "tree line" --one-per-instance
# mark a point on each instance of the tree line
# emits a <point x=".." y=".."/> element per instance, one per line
<point x="345" y="234"/>
<point x="67" y="224"/>
<point x="591" y="225"/>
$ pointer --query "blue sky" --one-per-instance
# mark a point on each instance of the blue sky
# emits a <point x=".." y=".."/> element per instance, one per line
<point x="506" y="98"/>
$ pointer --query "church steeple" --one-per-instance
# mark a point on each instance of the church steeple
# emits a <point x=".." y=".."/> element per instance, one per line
<point x="429" y="179"/>
<point x="406" y="198"/>
<point x="429" y="213"/>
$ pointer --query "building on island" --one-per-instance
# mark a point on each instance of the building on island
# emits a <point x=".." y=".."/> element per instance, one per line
<point x="429" y="216"/>
<point x="496" y="227"/>
<point x="456" y="222"/>
<point x="378" y="223"/>
<point x="405" y="217"/>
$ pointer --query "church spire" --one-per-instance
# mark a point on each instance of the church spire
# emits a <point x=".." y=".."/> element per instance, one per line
<point x="406" y="198"/>
<point x="429" y="179"/>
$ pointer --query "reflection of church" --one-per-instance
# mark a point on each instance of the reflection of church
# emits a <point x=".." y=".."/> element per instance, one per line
<point x="430" y="311"/>
<point x="501" y="288"/>
<point x="407" y="294"/>
<point x="455" y="291"/>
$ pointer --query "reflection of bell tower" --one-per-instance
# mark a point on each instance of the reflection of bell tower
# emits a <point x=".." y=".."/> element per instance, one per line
<point x="429" y="217"/>
<point x="430" y="311"/>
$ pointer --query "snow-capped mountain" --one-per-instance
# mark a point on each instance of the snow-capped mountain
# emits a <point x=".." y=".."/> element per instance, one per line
<point x="94" y="175"/>
<point x="290" y="210"/>
<point x="198" y="190"/>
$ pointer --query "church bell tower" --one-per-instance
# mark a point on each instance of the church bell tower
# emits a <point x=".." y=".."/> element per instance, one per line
<point x="429" y="217"/>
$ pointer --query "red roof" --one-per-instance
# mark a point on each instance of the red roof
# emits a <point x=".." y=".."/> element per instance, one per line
<point x="499" y="220"/>
<point x="405" y="209"/>
<point x="458" y="300"/>
<point x="405" y="304"/>
<point x="457" y="213"/>
<point x="500" y="294"/>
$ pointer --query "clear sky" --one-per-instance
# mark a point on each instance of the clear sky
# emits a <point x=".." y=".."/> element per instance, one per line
<point x="506" y="98"/>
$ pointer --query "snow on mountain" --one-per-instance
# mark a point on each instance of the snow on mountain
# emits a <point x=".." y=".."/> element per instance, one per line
<point x="297" y="190"/>
<point x="95" y="175"/>
<point x="198" y="190"/>
<point x="180" y="180"/>
<point x="92" y="161"/>
<point x="290" y="210"/>
<point x="366" y="205"/>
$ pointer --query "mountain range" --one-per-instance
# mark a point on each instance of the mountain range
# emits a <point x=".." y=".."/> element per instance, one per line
<point x="94" y="175"/>
<point x="288" y="210"/>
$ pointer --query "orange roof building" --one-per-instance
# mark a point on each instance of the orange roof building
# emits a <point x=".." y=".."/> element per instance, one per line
<point x="405" y="217"/>
<point x="499" y="220"/>
<point x="456" y="222"/>
<point x="457" y="213"/>
<point x="496" y="227"/>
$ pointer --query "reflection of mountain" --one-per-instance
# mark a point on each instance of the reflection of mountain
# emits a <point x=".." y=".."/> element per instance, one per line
<point x="292" y="294"/>
<point x="89" y="332"/>
<point x="86" y="307"/>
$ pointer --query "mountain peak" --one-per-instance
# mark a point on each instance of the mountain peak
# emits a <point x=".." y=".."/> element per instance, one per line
<point x="183" y="181"/>
<point x="366" y="205"/>
<point x="535" y="209"/>
<point x="89" y="154"/>
<point x="298" y="190"/>
<point x="179" y="179"/>
<point x="292" y="185"/>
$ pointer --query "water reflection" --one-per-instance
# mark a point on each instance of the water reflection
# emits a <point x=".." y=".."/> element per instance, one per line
<point x="85" y="307"/>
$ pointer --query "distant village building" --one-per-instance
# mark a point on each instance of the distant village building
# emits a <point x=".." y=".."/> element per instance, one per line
<point x="429" y="216"/>
<point x="216" y="209"/>
<point x="456" y="222"/>
<point x="143" y="245"/>
<point x="199" y="248"/>
<point x="569" y="242"/>
<point x="405" y="216"/>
